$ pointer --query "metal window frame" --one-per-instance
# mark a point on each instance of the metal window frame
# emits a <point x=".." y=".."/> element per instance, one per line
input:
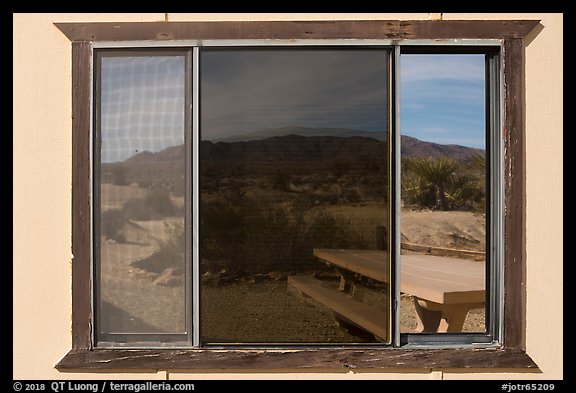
<point x="494" y="185"/>
<point x="138" y="340"/>
<point x="494" y="204"/>
<point x="295" y="45"/>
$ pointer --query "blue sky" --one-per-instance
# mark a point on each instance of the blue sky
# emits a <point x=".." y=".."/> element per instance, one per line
<point x="442" y="98"/>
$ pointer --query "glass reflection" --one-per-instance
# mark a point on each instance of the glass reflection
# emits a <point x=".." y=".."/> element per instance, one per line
<point x="443" y="213"/>
<point x="293" y="161"/>
<point x="141" y="195"/>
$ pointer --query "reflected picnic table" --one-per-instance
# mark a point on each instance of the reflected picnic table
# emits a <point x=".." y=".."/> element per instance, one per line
<point x="444" y="289"/>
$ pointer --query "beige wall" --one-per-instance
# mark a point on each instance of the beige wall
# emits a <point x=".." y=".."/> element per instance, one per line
<point x="42" y="198"/>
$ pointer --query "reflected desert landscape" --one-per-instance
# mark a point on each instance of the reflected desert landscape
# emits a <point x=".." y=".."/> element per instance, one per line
<point x="293" y="236"/>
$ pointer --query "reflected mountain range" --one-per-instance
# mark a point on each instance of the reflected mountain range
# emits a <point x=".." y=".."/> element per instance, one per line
<point x="296" y="143"/>
<point x="292" y="148"/>
<point x="303" y="131"/>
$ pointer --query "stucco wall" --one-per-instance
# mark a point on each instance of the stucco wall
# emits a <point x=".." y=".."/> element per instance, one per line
<point x="42" y="198"/>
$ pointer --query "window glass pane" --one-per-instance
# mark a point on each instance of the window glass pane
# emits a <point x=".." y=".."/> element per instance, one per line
<point x="140" y="193"/>
<point x="443" y="196"/>
<point x="294" y="196"/>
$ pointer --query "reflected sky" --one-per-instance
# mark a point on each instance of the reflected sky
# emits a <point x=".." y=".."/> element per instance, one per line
<point x="142" y="105"/>
<point x="250" y="90"/>
<point x="442" y="98"/>
<point x="243" y="91"/>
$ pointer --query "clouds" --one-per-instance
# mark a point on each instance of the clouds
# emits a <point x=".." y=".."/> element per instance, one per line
<point x="142" y="104"/>
<point x="142" y="97"/>
<point x="442" y="98"/>
<point x="249" y="90"/>
<point x="429" y="67"/>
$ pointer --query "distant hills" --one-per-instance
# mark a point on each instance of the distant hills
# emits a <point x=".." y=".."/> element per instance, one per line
<point x="268" y="150"/>
<point x="306" y="144"/>
<point x="413" y="147"/>
<point x="303" y="131"/>
<point x="410" y="146"/>
<point x="294" y="148"/>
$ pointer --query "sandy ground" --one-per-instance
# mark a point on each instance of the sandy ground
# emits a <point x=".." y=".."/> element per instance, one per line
<point x="452" y="229"/>
<point x="113" y="196"/>
<point x="267" y="313"/>
<point x="264" y="311"/>
<point x="131" y="301"/>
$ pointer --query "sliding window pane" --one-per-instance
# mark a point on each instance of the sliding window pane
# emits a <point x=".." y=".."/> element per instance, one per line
<point x="294" y="196"/>
<point x="140" y="194"/>
<point x="444" y="202"/>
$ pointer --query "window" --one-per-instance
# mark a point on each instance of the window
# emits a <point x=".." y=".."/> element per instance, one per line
<point x="446" y="199"/>
<point x="231" y="192"/>
<point x="284" y="171"/>
<point x="140" y="190"/>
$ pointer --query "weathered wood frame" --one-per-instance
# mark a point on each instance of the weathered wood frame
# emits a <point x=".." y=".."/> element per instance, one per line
<point x="510" y="354"/>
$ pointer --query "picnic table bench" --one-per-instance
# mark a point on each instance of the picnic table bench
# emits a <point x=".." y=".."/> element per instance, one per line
<point x="444" y="289"/>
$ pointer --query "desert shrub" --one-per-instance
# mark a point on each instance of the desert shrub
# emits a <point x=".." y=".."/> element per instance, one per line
<point x="282" y="238"/>
<point x="434" y="174"/>
<point x="111" y="223"/>
<point x="339" y="168"/>
<point x="479" y="162"/>
<point x="316" y="181"/>
<point x="330" y="198"/>
<point x="464" y="193"/>
<point x="145" y="183"/>
<point x="329" y="231"/>
<point x="222" y="224"/>
<point x="440" y="184"/>
<point x="331" y="179"/>
<point x="280" y="180"/>
<point x="413" y="192"/>
<point x="119" y="175"/>
<point x="270" y="235"/>
<point x="170" y="253"/>
<point x="256" y="235"/>
<point x="297" y="180"/>
<point x="158" y="200"/>
<point x="352" y="195"/>
<point x="137" y="209"/>
<point x="155" y="205"/>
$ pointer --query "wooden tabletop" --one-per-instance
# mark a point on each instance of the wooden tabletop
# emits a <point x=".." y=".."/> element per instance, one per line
<point x="442" y="280"/>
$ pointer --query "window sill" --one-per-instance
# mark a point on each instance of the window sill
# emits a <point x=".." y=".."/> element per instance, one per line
<point x="320" y="358"/>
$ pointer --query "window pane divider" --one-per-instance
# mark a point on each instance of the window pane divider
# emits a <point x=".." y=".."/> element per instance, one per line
<point x="395" y="193"/>
<point x="195" y="197"/>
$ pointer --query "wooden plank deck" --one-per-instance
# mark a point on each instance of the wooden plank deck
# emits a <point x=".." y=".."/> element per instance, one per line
<point x="352" y="311"/>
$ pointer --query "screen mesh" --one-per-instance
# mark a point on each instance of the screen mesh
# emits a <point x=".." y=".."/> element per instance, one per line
<point x="141" y="195"/>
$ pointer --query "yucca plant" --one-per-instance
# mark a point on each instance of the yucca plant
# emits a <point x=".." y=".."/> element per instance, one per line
<point x="478" y="161"/>
<point x="462" y="193"/>
<point x="413" y="193"/>
<point x="433" y="177"/>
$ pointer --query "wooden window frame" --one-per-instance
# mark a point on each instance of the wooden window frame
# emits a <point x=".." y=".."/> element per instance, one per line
<point x="510" y="354"/>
